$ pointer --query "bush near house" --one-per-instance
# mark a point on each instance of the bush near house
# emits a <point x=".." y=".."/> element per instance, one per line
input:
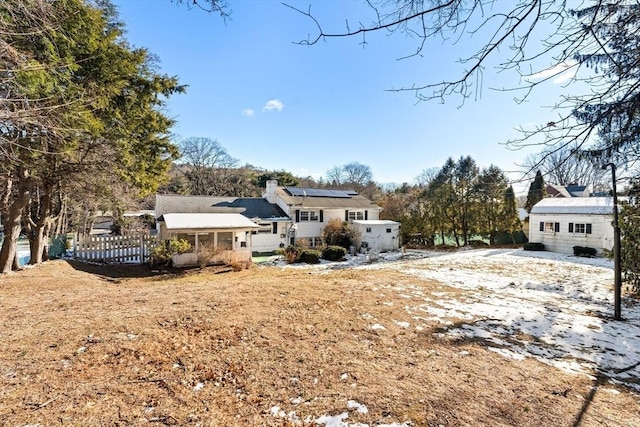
<point x="334" y="253"/>
<point x="297" y="254"/>
<point x="584" y="251"/>
<point x="310" y="256"/>
<point x="533" y="246"/>
<point x="161" y="254"/>
<point x="338" y="233"/>
<point x="292" y="254"/>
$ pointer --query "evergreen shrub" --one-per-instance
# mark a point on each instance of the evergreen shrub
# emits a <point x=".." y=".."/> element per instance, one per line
<point x="310" y="256"/>
<point x="533" y="246"/>
<point x="584" y="251"/>
<point x="334" y="253"/>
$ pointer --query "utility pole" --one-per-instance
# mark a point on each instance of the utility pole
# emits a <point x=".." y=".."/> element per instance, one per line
<point x="617" y="281"/>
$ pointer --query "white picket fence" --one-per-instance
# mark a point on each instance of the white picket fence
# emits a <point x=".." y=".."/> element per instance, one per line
<point x="114" y="249"/>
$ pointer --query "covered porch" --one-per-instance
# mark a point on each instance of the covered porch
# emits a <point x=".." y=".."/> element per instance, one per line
<point x="223" y="232"/>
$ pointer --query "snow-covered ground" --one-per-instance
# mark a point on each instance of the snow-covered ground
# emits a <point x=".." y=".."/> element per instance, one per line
<point x="553" y="307"/>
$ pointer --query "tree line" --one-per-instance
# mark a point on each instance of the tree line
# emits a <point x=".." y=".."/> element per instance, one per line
<point x="459" y="201"/>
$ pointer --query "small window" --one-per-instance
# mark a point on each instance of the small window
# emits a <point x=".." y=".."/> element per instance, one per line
<point x="579" y="228"/>
<point x="388" y="230"/>
<point x="356" y="215"/>
<point x="550" y="227"/>
<point x="368" y="229"/>
<point x="309" y="216"/>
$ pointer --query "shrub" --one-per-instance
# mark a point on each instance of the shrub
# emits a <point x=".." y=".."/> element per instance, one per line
<point x="533" y="246"/>
<point x="584" y="251"/>
<point x="310" y="256"/>
<point x="339" y="233"/>
<point x="235" y="261"/>
<point x="161" y="254"/>
<point x="291" y="254"/>
<point x="334" y="253"/>
<point x="206" y="254"/>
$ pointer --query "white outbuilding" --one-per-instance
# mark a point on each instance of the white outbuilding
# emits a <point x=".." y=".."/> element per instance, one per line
<point x="562" y="223"/>
<point x="379" y="235"/>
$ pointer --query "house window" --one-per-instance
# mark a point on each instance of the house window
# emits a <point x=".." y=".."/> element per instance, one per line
<point x="356" y="215"/>
<point x="265" y="227"/>
<point x="309" y="216"/>
<point x="579" y="228"/>
<point x="191" y="238"/>
<point x="550" y="227"/>
<point x="225" y="240"/>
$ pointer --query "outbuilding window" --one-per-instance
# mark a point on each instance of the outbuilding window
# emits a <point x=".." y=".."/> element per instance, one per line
<point x="550" y="227"/>
<point x="579" y="228"/>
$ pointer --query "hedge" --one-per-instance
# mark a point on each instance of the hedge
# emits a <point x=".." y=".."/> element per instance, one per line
<point x="533" y="246"/>
<point x="584" y="251"/>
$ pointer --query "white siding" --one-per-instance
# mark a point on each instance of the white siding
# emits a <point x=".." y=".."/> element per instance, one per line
<point x="269" y="242"/>
<point x="378" y="239"/>
<point x="563" y="241"/>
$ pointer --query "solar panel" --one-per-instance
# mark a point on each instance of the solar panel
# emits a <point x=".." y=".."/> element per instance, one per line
<point x="319" y="192"/>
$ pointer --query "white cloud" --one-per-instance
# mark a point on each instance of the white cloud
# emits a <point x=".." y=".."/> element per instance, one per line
<point x="247" y="112"/>
<point x="560" y="72"/>
<point x="273" y="104"/>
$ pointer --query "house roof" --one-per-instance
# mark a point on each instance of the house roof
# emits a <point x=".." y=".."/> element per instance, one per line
<point x="574" y="205"/>
<point x="204" y="221"/>
<point x="571" y="190"/>
<point x="309" y="199"/>
<point x="250" y="207"/>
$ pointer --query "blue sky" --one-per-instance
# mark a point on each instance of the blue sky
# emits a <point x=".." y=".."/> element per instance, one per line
<point x="278" y="105"/>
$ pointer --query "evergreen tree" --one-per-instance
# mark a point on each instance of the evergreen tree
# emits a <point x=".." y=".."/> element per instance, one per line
<point x="90" y="112"/>
<point x="489" y="191"/>
<point x="536" y="191"/>
<point x="509" y="218"/>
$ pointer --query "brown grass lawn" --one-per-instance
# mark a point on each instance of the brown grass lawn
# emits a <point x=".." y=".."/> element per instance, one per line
<point x="87" y="345"/>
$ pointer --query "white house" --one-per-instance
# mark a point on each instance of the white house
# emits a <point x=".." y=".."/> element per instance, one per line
<point x="282" y="216"/>
<point x="562" y="223"/>
<point x="379" y="235"/>
<point x="311" y="208"/>
<point x="272" y="223"/>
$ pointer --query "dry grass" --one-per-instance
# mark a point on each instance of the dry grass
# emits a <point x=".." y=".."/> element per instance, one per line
<point x="121" y="347"/>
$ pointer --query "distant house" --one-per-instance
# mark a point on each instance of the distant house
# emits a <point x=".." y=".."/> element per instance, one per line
<point x="571" y="190"/>
<point x="311" y="208"/>
<point x="562" y="223"/>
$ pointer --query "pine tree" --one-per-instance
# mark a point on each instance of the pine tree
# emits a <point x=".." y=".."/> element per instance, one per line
<point x="510" y="220"/>
<point x="536" y="191"/>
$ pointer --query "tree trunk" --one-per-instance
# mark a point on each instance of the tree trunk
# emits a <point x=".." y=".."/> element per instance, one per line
<point x="39" y="227"/>
<point x="12" y="222"/>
